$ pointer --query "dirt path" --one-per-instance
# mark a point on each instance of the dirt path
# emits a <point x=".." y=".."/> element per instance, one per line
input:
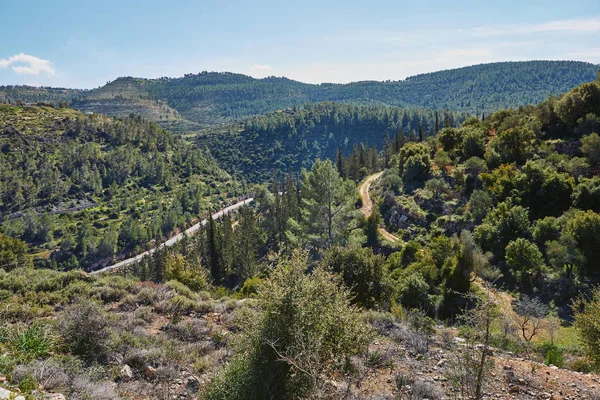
<point x="367" y="207"/>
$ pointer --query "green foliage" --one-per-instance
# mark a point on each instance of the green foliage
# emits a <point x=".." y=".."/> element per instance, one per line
<point x="553" y="355"/>
<point x="88" y="186"/>
<point x="590" y="146"/>
<point x="585" y="227"/>
<point x="503" y="224"/>
<point x="587" y="323"/>
<point x="413" y="292"/>
<point x="480" y="204"/>
<point x="305" y="329"/>
<point x="325" y="201"/>
<point x="525" y="260"/>
<point x="363" y="272"/>
<point x="514" y="144"/>
<point x="372" y="228"/>
<point x="13" y="253"/>
<point x="586" y="195"/>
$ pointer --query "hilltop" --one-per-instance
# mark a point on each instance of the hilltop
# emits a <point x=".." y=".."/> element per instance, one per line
<point x="210" y="98"/>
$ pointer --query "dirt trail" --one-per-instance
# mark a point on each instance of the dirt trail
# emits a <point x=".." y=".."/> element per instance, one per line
<point x="367" y="207"/>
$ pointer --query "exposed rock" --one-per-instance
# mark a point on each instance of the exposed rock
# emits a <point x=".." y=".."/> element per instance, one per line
<point x="56" y="396"/>
<point x="514" y="389"/>
<point x="150" y="372"/>
<point x="8" y="395"/>
<point x="126" y="372"/>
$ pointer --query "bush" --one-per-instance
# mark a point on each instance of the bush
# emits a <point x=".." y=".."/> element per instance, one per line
<point x="587" y="323"/>
<point x="413" y="292"/>
<point x="363" y="272"/>
<point x="305" y="331"/>
<point x="181" y="289"/>
<point x="84" y="326"/>
<point x="553" y="355"/>
<point x="251" y="285"/>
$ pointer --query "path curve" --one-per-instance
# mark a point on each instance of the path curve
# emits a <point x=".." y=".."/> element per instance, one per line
<point x="191" y="230"/>
<point x="367" y="207"/>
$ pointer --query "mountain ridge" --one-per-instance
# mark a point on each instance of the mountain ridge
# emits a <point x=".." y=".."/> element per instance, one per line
<point x="194" y="101"/>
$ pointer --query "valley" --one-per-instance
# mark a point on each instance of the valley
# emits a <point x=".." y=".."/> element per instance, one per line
<point x="217" y="236"/>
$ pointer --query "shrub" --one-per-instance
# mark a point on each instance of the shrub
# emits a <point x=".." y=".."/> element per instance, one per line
<point x="181" y="289"/>
<point x="84" y="326"/>
<point x="553" y="355"/>
<point x="363" y="272"/>
<point x="587" y="323"/>
<point x="306" y="329"/>
<point x="251" y="286"/>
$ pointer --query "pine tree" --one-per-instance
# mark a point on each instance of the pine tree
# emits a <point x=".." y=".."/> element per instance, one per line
<point x="372" y="227"/>
<point x="339" y="162"/>
<point x="212" y="242"/>
<point x="226" y="247"/>
<point x="247" y="240"/>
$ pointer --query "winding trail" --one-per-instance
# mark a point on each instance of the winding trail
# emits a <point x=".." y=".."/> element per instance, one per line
<point x="174" y="239"/>
<point x="367" y="207"/>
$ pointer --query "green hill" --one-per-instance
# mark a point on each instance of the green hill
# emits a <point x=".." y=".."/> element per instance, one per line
<point x="293" y="138"/>
<point x="209" y="98"/>
<point x="84" y="188"/>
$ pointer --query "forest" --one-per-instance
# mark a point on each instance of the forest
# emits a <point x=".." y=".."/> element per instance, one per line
<point x="288" y="140"/>
<point x="82" y="189"/>
<point x="402" y="253"/>
<point x="195" y="101"/>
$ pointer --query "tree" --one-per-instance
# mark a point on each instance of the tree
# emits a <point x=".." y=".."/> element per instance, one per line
<point x="325" y="198"/>
<point x="13" y="253"/>
<point x="587" y="323"/>
<point x="438" y="187"/>
<point x="590" y="146"/>
<point x="502" y="225"/>
<point x="585" y="228"/>
<point x="442" y="160"/>
<point x="473" y="142"/>
<point x="514" y="144"/>
<point x="304" y="330"/>
<point x="363" y="272"/>
<point x="372" y="227"/>
<point x="213" y="245"/>
<point x="413" y="292"/>
<point x="450" y="138"/>
<point x="531" y="312"/>
<point x="247" y="239"/>
<point x="525" y="260"/>
<point x="479" y="204"/>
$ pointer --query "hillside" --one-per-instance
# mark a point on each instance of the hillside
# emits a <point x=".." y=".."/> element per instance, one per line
<point x="199" y="100"/>
<point x="82" y="189"/>
<point x="481" y="288"/>
<point x="288" y="140"/>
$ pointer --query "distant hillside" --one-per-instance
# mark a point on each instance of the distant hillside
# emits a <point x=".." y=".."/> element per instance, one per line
<point x="81" y="189"/>
<point x="198" y="100"/>
<point x="289" y="140"/>
<point x="30" y="94"/>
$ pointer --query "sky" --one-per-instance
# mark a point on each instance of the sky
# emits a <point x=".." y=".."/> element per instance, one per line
<point x="85" y="44"/>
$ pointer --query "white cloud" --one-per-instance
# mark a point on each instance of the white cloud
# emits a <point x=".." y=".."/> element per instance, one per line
<point x="27" y="64"/>
<point x="584" y="25"/>
<point x="261" y="70"/>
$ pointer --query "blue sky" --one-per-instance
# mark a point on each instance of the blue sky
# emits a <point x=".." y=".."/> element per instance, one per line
<point x="84" y="44"/>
